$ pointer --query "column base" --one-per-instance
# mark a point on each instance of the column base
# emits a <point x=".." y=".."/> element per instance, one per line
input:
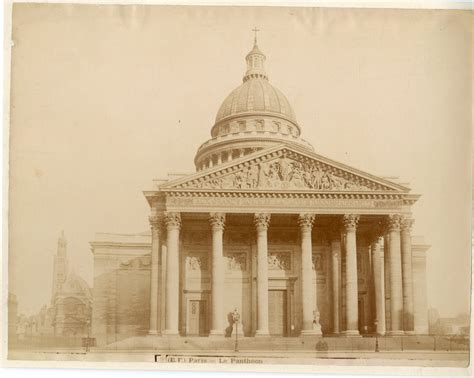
<point x="410" y="333"/>
<point x="170" y="332"/>
<point x="216" y="333"/>
<point x="350" y="333"/>
<point x="262" y="333"/>
<point x="154" y="332"/>
<point x="311" y="332"/>
<point x="395" y="333"/>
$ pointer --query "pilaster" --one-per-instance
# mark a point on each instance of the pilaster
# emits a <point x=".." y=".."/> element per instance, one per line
<point x="395" y="267"/>
<point x="156" y="225"/>
<point x="407" y="275"/>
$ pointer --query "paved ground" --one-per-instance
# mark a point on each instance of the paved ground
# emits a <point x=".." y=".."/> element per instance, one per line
<point x="162" y="352"/>
<point x="407" y="358"/>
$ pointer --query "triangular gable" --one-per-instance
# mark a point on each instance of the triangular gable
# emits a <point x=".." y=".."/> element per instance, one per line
<point x="283" y="168"/>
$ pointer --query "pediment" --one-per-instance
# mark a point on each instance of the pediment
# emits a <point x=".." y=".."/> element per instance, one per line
<point x="284" y="168"/>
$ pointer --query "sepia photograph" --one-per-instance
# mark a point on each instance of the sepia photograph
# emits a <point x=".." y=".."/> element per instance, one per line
<point x="238" y="188"/>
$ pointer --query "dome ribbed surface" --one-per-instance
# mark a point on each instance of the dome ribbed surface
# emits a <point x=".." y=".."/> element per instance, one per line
<point x="256" y="95"/>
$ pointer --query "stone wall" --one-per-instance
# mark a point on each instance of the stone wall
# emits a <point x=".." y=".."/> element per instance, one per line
<point x="121" y="292"/>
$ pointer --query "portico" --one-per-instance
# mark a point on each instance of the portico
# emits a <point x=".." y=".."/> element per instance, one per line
<point x="310" y="267"/>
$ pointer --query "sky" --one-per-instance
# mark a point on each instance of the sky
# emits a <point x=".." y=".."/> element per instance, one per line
<point x="104" y="99"/>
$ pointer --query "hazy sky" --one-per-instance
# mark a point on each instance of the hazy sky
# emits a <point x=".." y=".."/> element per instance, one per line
<point x="106" y="98"/>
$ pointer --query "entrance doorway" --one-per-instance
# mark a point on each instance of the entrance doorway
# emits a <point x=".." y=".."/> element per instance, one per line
<point x="277" y="312"/>
<point x="197" y="318"/>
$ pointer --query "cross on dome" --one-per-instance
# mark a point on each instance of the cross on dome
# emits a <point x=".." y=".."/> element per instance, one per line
<point x="255" y="39"/>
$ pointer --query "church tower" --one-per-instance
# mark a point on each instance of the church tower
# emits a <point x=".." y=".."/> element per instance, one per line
<point x="60" y="267"/>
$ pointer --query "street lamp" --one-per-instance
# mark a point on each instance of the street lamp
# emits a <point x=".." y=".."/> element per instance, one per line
<point x="236" y="318"/>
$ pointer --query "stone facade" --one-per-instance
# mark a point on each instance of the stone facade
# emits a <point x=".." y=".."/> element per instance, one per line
<point x="121" y="287"/>
<point x="296" y="243"/>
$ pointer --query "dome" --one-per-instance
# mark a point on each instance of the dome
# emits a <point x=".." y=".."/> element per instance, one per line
<point x="254" y="116"/>
<point x="256" y="95"/>
<point x="75" y="285"/>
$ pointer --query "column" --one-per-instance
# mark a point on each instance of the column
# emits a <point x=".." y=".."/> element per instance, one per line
<point x="262" y="222"/>
<point x="219" y="158"/>
<point x="309" y="292"/>
<point x="173" y="225"/>
<point x="217" y="221"/>
<point x="395" y="268"/>
<point x="407" y="275"/>
<point x="352" y="306"/>
<point x="378" y="281"/>
<point x="335" y="279"/>
<point x="386" y="276"/>
<point x="155" y="222"/>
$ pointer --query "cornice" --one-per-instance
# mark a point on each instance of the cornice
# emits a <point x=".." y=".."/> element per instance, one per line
<point x="384" y="195"/>
<point x="118" y="245"/>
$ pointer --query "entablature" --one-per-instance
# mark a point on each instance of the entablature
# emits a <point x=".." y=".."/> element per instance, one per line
<point x="282" y="202"/>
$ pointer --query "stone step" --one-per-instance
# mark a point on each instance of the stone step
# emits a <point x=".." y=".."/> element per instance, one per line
<point x="178" y="343"/>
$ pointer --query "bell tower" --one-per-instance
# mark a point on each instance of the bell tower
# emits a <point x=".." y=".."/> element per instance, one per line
<point x="60" y="267"/>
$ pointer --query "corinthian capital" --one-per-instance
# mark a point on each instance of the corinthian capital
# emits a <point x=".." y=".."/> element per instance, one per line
<point x="392" y="222"/>
<point x="262" y="221"/>
<point x="306" y="220"/>
<point x="406" y="223"/>
<point x="172" y="220"/>
<point x="350" y="221"/>
<point x="156" y="222"/>
<point x="217" y="220"/>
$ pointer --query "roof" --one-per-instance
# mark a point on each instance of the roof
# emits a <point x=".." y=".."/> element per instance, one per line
<point x="75" y="286"/>
<point x="256" y="95"/>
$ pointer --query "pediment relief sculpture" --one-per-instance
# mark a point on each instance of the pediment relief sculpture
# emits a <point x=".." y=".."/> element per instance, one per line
<point x="284" y="173"/>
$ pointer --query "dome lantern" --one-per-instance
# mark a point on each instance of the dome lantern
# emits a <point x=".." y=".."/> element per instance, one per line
<point x="255" y="62"/>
